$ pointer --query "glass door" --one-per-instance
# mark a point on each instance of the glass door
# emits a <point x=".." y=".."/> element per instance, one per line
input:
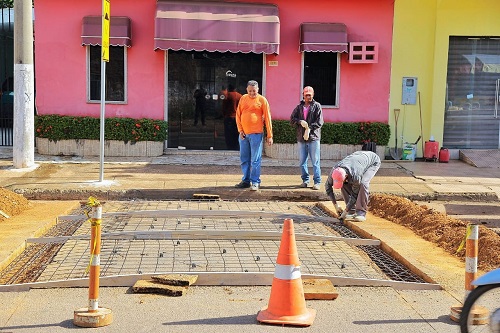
<point x="197" y="94"/>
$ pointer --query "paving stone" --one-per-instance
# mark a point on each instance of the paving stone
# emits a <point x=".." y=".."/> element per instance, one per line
<point x="152" y="287"/>
<point x="176" y="279"/>
<point x="319" y="289"/>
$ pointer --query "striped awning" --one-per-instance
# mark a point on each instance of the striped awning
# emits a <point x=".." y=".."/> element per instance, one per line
<point x="119" y="31"/>
<point x="217" y="26"/>
<point x="323" y="37"/>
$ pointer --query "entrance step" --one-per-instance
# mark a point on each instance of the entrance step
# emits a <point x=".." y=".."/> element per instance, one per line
<point x="481" y="158"/>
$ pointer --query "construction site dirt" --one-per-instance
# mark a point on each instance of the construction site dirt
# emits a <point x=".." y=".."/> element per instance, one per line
<point x="427" y="220"/>
<point x="442" y="223"/>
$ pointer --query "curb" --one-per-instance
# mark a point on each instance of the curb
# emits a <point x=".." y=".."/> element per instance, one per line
<point x="231" y="194"/>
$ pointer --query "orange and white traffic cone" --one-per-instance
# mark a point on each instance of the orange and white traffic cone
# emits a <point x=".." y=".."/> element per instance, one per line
<point x="287" y="305"/>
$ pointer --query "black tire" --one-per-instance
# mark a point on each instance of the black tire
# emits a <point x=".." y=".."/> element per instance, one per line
<point x="469" y="302"/>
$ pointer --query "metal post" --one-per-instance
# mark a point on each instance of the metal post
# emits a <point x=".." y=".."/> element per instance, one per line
<point x="471" y="252"/>
<point x="93" y="315"/>
<point x="24" y="91"/>
<point x="95" y="254"/>
<point x="102" y="115"/>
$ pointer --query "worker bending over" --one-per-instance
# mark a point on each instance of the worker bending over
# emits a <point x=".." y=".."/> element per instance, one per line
<point x="352" y="175"/>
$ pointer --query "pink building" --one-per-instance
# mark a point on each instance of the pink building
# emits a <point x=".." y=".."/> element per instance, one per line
<point x="174" y="60"/>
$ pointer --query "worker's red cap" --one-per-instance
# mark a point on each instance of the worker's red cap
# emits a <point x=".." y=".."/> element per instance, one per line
<point x="338" y="175"/>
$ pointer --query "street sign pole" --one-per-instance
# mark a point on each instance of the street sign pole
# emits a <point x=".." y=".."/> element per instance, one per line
<point x="105" y="58"/>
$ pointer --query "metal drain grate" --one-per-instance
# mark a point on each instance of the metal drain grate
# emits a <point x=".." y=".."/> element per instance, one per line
<point x="390" y="266"/>
<point x="31" y="263"/>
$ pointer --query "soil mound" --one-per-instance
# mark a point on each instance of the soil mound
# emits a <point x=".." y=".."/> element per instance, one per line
<point x="12" y="203"/>
<point x="447" y="233"/>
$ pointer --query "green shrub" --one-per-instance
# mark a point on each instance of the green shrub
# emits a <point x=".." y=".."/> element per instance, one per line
<point x="56" y="127"/>
<point x="337" y="133"/>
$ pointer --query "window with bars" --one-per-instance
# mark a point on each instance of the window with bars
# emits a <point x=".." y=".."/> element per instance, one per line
<point x="115" y="74"/>
<point x="321" y="71"/>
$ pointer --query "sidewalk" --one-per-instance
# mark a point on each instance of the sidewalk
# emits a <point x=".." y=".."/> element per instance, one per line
<point x="180" y="174"/>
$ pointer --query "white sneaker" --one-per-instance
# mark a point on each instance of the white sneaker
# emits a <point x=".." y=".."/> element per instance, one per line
<point x="316" y="187"/>
<point x="254" y="187"/>
<point x="360" y="218"/>
<point x="350" y="216"/>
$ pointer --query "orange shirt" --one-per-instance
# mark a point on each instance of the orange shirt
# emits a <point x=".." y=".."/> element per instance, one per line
<point x="252" y="114"/>
<point x="230" y="104"/>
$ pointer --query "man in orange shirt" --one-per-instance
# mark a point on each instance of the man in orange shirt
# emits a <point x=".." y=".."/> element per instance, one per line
<point x="229" y="106"/>
<point x="252" y="114"/>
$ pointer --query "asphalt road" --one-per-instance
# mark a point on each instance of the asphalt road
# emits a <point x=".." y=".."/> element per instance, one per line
<point x="228" y="309"/>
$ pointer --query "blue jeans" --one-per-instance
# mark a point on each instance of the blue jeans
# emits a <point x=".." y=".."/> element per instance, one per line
<point x="310" y="149"/>
<point x="251" y="157"/>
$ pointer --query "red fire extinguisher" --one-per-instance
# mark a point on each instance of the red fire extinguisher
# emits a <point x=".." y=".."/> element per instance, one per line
<point x="444" y="155"/>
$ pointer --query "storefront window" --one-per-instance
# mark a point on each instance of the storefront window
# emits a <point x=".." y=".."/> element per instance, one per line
<point x="115" y="74"/>
<point x="473" y="80"/>
<point x="321" y="71"/>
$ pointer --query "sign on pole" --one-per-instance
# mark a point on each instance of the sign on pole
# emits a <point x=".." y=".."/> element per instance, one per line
<point x="105" y="29"/>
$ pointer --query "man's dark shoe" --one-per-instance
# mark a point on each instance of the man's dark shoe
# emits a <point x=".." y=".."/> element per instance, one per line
<point x="242" y="184"/>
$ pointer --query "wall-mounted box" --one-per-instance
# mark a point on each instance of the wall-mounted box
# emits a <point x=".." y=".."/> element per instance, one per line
<point x="409" y="90"/>
<point x="363" y="52"/>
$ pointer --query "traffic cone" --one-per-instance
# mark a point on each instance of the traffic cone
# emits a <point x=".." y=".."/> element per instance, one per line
<point x="287" y="305"/>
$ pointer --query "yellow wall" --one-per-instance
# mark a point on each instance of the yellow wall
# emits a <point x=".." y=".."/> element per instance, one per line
<point x="420" y="48"/>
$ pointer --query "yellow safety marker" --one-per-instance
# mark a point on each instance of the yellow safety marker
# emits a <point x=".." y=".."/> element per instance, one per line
<point x="93" y="315"/>
<point x="471" y="252"/>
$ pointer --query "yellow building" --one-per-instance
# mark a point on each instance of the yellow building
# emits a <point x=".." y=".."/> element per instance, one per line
<point x="446" y="73"/>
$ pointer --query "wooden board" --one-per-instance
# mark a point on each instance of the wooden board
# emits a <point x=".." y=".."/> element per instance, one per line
<point x="152" y="287"/>
<point x="205" y="235"/>
<point x="220" y="279"/>
<point x="189" y="213"/>
<point x="319" y="289"/>
<point x="176" y="279"/>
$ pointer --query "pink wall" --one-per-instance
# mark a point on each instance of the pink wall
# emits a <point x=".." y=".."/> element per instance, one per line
<point x="60" y="59"/>
<point x="364" y="88"/>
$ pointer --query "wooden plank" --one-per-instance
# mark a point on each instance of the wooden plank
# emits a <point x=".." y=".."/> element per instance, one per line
<point x="219" y="279"/>
<point x="204" y="235"/>
<point x="153" y="287"/>
<point x="188" y="213"/>
<point x="182" y="280"/>
<point x="200" y="196"/>
<point x="4" y="214"/>
<point x="319" y="289"/>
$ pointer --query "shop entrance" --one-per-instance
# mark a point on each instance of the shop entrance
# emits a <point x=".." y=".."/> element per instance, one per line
<point x="198" y="83"/>
<point x="473" y="89"/>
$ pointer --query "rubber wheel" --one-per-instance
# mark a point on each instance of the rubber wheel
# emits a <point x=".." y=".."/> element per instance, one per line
<point x="469" y="303"/>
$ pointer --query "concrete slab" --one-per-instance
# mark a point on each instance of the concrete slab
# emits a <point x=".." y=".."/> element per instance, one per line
<point x="319" y="289"/>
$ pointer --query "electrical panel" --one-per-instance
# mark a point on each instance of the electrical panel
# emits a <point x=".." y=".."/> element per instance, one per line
<point x="409" y="90"/>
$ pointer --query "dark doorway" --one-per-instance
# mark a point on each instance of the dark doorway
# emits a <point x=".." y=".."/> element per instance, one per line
<point x="6" y="75"/>
<point x="197" y="87"/>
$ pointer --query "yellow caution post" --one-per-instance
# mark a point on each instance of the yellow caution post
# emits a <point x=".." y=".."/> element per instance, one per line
<point x="93" y="315"/>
